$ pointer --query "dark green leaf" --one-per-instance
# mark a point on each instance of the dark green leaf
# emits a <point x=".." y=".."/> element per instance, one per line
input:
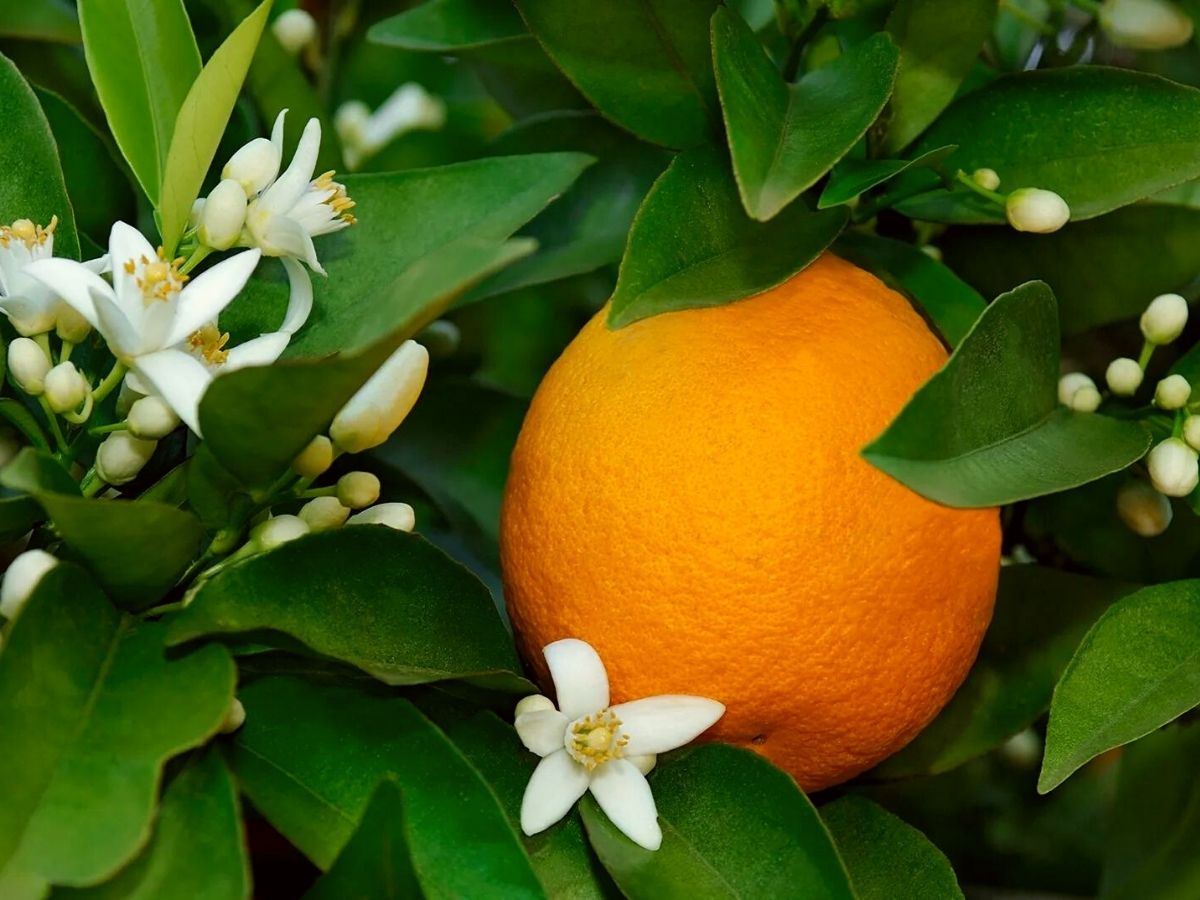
<point x="521" y="78"/>
<point x="42" y="20"/>
<point x="692" y="244"/>
<point x="886" y="856"/>
<point x="90" y="709"/>
<point x="213" y="492"/>
<point x="1137" y="669"/>
<point x="645" y="64"/>
<point x="987" y="430"/>
<point x="851" y="177"/>
<point x="446" y="26"/>
<point x="723" y="812"/>
<point x="33" y="472"/>
<point x="18" y="415"/>
<point x="784" y="137"/>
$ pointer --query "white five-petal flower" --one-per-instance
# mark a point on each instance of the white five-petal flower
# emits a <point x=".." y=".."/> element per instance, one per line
<point x="585" y="744"/>
<point x="31" y="307"/>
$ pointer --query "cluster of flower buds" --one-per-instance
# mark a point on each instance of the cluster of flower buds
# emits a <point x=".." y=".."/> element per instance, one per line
<point x="1029" y="209"/>
<point x="365" y="133"/>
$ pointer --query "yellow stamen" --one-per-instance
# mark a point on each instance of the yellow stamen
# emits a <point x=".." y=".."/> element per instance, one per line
<point x="159" y="279"/>
<point x="596" y="739"/>
<point x="27" y="233"/>
<point x="209" y="344"/>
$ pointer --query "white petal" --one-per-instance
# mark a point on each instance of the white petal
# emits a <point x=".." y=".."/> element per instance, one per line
<point x="659" y="724"/>
<point x="179" y="378"/>
<point x="542" y="732"/>
<point x="100" y="265"/>
<point x="260" y="351"/>
<point x="579" y="677"/>
<point x="555" y="785"/>
<point x="126" y="243"/>
<point x="73" y="282"/>
<point x="300" y="297"/>
<point x="277" y="131"/>
<point x="283" y="194"/>
<point x="624" y="795"/>
<point x="202" y="300"/>
<point x="123" y="339"/>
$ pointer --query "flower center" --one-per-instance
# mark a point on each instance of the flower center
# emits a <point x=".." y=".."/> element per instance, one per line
<point x="158" y="278"/>
<point x="27" y="233"/>
<point x="338" y="200"/>
<point x="208" y="343"/>
<point x="595" y="739"/>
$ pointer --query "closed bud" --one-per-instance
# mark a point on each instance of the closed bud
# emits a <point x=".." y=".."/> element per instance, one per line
<point x="223" y="215"/>
<point x="986" y="179"/>
<point x="1145" y="24"/>
<point x="315" y="458"/>
<point x="253" y="166"/>
<point x="1164" y="318"/>
<point x="394" y="515"/>
<point x="295" y="29"/>
<point x="1070" y="384"/>
<point x="65" y="387"/>
<point x="1172" y="392"/>
<point x="358" y="490"/>
<point x="235" y="717"/>
<point x="442" y="337"/>
<point x="1143" y="509"/>
<point x="278" y="530"/>
<point x="1174" y="468"/>
<point x="533" y="703"/>
<point x="122" y="456"/>
<point x="150" y="419"/>
<point x="22" y="579"/>
<point x="194" y="212"/>
<point x="126" y="397"/>
<point x="1191" y="431"/>
<point x="382" y="403"/>
<point x="933" y="251"/>
<point x="28" y="365"/>
<point x="324" y="513"/>
<point x="1124" y="376"/>
<point x="1036" y="210"/>
<point x="1085" y="400"/>
<point x="350" y="122"/>
<point x="70" y="325"/>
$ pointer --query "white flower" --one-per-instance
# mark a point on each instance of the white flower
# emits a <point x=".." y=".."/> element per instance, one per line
<point x="1036" y="210"/>
<point x="28" y="365"/>
<point x="1172" y="392"/>
<point x="324" y="513"/>
<point x="585" y="744"/>
<point x="295" y="29"/>
<point x="1174" y="468"/>
<point x="380" y="405"/>
<point x="22" y="578"/>
<point x="66" y="388"/>
<point x="122" y="456"/>
<point x="150" y="418"/>
<point x="1124" y="376"/>
<point x="1143" y="509"/>
<point x="223" y="215"/>
<point x="315" y="458"/>
<point x="31" y="306"/>
<point x="986" y="179"/>
<point x="1145" y="24"/>
<point x="1164" y="318"/>
<point x="399" y="516"/>
<point x="358" y="489"/>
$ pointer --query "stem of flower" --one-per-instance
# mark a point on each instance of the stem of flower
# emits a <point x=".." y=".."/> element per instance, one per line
<point x="197" y="257"/>
<point x="55" y="430"/>
<point x="65" y="353"/>
<point x="111" y="380"/>
<point x="966" y="180"/>
<point x="312" y="494"/>
<point x="108" y="429"/>
<point x="81" y="416"/>
<point x="91" y="484"/>
<point x="1144" y="357"/>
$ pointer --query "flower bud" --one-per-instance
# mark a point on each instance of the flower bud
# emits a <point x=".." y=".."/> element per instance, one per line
<point x="324" y="513"/>
<point x="986" y="179"/>
<point x="350" y="122"/>
<point x="1174" y="468"/>
<point x="295" y="29"/>
<point x="65" y="387"/>
<point x="533" y="703"/>
<point x="1164" y="318"/>
<point x="1036" y="210"/>
<point x="150" y="419"/>
<point x="1143" y="509"/>
<point x="1191" y="431"/>
<point x="933" y="251"/>
<point x="358" y="490"/>
<point x="1070" y="384"/>
<point x="409" y="108"/>
<point x="122" y="456"/>
<point x="194" y="212"/>
<point x="126" y="397"/>
<point x="315" y="458"/>
<point x="1085" y="400"/>
<point x="1145" y="24"/>
<point x="278" y="530"/>
<point x="382" y="403"/>
<point x="1023" y="750"/>
<point x="442" y="337"/>
<point x="28" y="364"/>
<point x="70" y="325"/>
<point x="394" y="515"/>
<point x="1172" y="392"/>
<point x="223" y="215"/>
<point x="235" y="717"/>
<point x="1124" y="376"/>
<point x="22" y="579"/>
<point x="253" y="166"/>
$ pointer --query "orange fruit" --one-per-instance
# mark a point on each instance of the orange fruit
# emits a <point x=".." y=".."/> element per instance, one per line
<point x="687" y="496"/>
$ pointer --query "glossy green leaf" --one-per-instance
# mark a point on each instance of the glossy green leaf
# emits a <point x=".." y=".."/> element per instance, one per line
<point x="89" y="712"/>
<point x="197" y="849"/>
<point x="939" y="41"/>
<point x="1137" y="669"/>
<point x="692" y="244"/>
<point x="31" y="182"/>
<point x="28" y="473"/>
<point x="853" y="177"/>
<point x="143" y="60"/>
<point x="387" y="602"/>
<point x="449" y="26"/>
<point x="19" y="417"/>
<point x="1041" y="615"/>
<point x="645" y="64"/>
<point x="521" y="78"/>
<point x="987" y="430"/>
<point x="461" y="843"/>
<point x="784" y="137"/>
<point x="201" y="122"/>
<point x="42" y="20"/>
<point x="887" y="857"/>
<point x="723" y="811"/>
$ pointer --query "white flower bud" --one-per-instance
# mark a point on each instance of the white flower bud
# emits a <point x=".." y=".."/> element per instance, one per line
<point x="358" y="490"/>
<point x="533" y="703"/>
<point x="1085" y="400"/>
<point x="70" y="325"/>
<point x="1172" y="392"/>
<point x="194" y="212"/>
<point x="1174" y="468"/>
<point x="22" y="579"/>
<point x="253" y="166"/>
<point x="409" y="108"/>
<point x="1070" y="383"/>
<point x="1145" y="24"/>
<point x="1164" y="318"/>
<point x="150" y="419"/>
<point x="441" y="338"/>
<point x="1124" y="376"/>
<point x="350" y="122"/>
<point x="126" y="397"/>
<point x="324" y="513"/>
<point x="122" y="456"/>
<point x="28" y="364"/>
<point x="1036" y="210"/>
<point x="223" y="215"/>
<point x="278" y="530"/>
<point x="235" y="717"/>
<point x="1023" y="749"/>
<point x="986" y="179"/>
<point x="295" y="29"/>
<point x="1143" y="509"/>
<point x="1191" y="431"/>
<point x="65" y="387"/>
<point x="394" y="515"/>
<point x="382" y="403"/>
<point x="315" y="458"/>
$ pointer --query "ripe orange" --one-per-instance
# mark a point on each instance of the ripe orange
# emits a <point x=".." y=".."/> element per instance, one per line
<point x="687" y="495"/>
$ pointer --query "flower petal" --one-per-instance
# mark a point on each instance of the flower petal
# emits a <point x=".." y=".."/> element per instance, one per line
<point x="277" y="131"/>
<point x="260" y="351"/>
<point x="127" y="244"/>
<point x="72" y="281"/>
<point x="179" y="378"/>
<point x="580" y="681"/>
<point x="300" y="297"/>
<point x="624" y="795"/>
<point x="283" y="194"/>
<point x="555" y="785"/>
<point x="542" y="732"/>
<point x="202" y="300"/>
<point x="659" y="724"/>
<point x="123" y="339"/>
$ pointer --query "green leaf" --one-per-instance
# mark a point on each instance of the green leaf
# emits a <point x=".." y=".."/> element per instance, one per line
<point x="197" y="849"/>
<point x="951" y="304"/>
<point x="31" y="183"/>
<point x="1137" y="669"/>
<point x="1041" y="615"/>
<point x="645" y="64"/>
<point x="1079" y="131"/>
<point x="987" y="430"/>
<point x="18" y="415"/>
<point x="461" y="843"/>
<point x="939" y="42"/>
<point x="376" y="863"/>
<point x="387" y="602"/>
<point x="201" y="122"/>
<point x="143" y="60"/>
<point x="852" y="177"/>
<point x="42" y="20"/>
<point x="723" y="812"/>
<point x="692" y="244"/>
<point x="29" y="472"/>
<point x="90" y="709"/>
<point x="445" y="26"/>
<point x="886" y="856"/>
<point x="784" y="137"/>
<point x="1097" y="268"/>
